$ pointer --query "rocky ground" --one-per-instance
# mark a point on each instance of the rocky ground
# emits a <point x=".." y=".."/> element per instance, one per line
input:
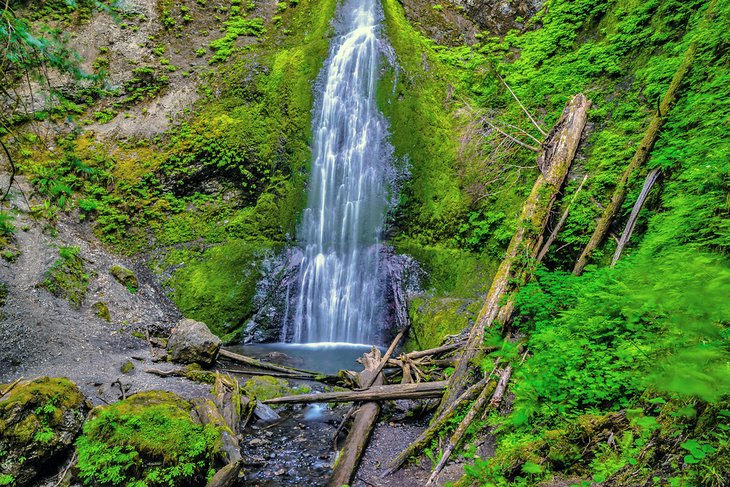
<point x="42" y="334"/>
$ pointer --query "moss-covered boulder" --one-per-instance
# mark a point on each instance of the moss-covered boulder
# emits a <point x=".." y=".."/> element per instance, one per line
<point x="39" y="420"/>
<point x="125" y="277"/>
<point x="151" y="438"/>
<point x="192" y="342"/>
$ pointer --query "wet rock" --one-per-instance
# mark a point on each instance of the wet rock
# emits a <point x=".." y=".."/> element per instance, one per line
<point x="39" y="421"/>
<point x="192" y="342"/>
<point x="265" y="413"/>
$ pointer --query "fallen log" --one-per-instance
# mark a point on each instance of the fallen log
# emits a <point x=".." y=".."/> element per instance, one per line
<point x="363" y="423"/>
<point x="297" y="373"/>
<point x="375" y="393"/>
<point x="554" y="162"/>
<point x="474" y="411"/>
<point x="424" y="439"/>
<point x="435" y="351"/>
<point x="631" y="222"/>
<point x="227" y="476"/>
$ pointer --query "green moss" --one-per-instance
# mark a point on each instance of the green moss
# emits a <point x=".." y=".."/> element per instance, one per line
<point x="266" y="387"/>
<point x="127" y="367"/>
<point x="38" y="419"/>
<point x="67" y="277"/>
<point x="148" y="439"/>
<point x="102" y="310"/>
<point x="125" y="277"/>
<point x="432" y="319"/>
<point x="217" y="286"/>
<point x="196" y="373"/>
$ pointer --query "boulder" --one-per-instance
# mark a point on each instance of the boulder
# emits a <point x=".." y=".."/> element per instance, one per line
<point x="150" y="438"/>
<point x="192" y="342"/>
<point x="39" y="421"/>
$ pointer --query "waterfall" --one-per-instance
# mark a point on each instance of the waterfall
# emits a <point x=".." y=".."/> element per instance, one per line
<point x="340" y="295"/>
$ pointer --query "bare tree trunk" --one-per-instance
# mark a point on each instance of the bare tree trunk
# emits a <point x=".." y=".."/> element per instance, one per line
<point x="374" y="393"/>
<point x="427" y="435"/>
<point x="558" y="152"/>
<point x="640" y="157"/>
<point x="466" y="422"/>
<point x="631" y="223"/>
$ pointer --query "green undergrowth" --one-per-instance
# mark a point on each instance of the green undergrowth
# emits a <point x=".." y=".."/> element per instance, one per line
<point x="149" y="439"/>
<point x="627" y="380"/>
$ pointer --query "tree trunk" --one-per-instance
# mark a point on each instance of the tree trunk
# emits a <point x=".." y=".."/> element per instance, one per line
<point x="424" y="439"/>
<point x="375" y="393"/>
<point x="466" y="422"/>
<point x="631" y="223"/>
<point x="558" y="152"/>
<point x="640" y="157"/>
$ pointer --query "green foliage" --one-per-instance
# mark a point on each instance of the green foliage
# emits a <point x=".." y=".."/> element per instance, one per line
<point x="217" y="286"/>
<point x="67" y="277"/>
<point x="236" y="27"/>
<point x="148" y="439"/>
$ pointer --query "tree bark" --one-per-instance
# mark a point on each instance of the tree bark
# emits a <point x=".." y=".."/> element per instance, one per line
<point x="561" y="222"/>
<point x="363" y="423"/>
<point x="631" y="223"/>
<point x="558" y="152"/>
<point x="374" y="393"/>
<point x="640" y="157"/>
<point x="299" y="373"/>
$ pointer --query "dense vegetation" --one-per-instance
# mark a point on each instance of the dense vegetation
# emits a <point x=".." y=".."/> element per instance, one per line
<point x="622" y="373"/>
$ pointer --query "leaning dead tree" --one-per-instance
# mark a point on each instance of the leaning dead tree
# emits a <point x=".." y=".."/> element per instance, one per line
<point x="631" y="223"/>
<point x="554" y="161"/>
<point x="640" y="156"/>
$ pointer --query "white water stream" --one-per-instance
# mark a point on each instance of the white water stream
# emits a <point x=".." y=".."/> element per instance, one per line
<point x="340" y="297"/>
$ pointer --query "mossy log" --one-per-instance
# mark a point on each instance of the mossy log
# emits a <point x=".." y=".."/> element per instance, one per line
<point x="362" y="425"/>
<point x="421" y="390"/>
<point x="640" y="157"/>
<point x="290" y="371"/>
<point x="554" y="162"/>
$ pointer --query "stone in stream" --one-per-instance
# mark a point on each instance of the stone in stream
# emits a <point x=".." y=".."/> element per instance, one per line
<point x="265" y="413"/>
<point x="192" y="342"/>
<point x="39" y="421"/>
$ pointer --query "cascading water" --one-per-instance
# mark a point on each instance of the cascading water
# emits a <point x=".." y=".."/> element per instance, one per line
<point x="340" y="297"/>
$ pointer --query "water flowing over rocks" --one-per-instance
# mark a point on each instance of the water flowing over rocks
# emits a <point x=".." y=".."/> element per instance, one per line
<point x="341" y="278"/>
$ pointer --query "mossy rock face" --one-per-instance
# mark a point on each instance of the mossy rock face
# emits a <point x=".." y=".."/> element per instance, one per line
<point x="125" y="277"/>
<point x="39" y="420"/>
<point x="150" y="439"/>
